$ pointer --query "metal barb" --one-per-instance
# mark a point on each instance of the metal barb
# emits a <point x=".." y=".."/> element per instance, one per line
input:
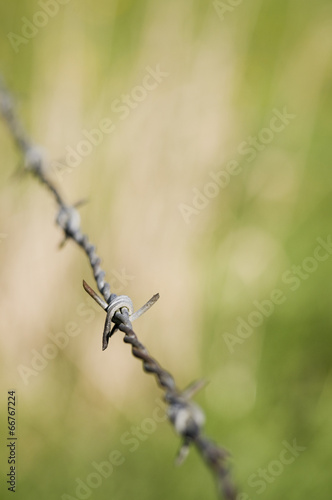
<point x="95" y="296"/>
<point x="183" y="453"/>
<point x="194" y="388"/>
<point x="145" y="308"/>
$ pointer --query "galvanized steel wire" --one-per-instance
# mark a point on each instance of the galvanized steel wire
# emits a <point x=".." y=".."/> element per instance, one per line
<point x="186" y="417"/>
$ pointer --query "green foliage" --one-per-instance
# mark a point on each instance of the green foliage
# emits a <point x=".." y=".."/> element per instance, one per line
<point x="268" y="386"/>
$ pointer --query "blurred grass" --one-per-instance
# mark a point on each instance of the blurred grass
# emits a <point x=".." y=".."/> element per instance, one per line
<point x="225" y="78"/>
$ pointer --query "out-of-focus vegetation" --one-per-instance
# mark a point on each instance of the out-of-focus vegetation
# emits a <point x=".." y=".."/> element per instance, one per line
<point x="219" y="254"/>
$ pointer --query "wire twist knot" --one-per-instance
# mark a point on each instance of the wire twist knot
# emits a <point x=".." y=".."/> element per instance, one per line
<point x="68" y="219"/>
<point x="117" y="304"/>
<point x="187" y="417"/>
<point x="120" y="309"/>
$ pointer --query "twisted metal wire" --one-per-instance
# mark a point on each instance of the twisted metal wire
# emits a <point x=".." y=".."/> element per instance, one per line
<point x="186" y="417"/>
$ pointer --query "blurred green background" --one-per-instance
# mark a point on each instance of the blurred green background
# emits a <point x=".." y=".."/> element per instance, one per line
<point x="217" y="253"/>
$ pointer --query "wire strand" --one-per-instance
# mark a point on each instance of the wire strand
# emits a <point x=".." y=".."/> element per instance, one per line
<point x="186" y="417"/>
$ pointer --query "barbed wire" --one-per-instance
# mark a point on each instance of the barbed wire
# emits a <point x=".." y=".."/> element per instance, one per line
<point x="187" y="417"/>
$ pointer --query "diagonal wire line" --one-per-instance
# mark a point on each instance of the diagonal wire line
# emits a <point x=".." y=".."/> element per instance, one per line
<point x="186" y="417"/>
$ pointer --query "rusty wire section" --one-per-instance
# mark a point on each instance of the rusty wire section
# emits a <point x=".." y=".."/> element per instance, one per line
<point x="186" y="417"/>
